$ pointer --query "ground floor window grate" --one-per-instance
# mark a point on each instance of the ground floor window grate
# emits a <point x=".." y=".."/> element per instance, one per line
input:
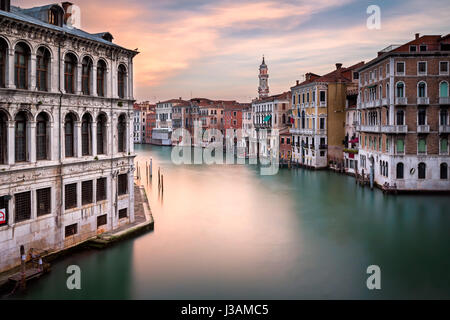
<point x="70" y="196"/>
<point x="23" y="206"/>
<point x="71" y="230"/>
<point x="101" y="189"/>
<point x="123" y="213"/>
<point x="43" y="201"/>
<point x="101" y="220"/>
<point x="86" y="192"/>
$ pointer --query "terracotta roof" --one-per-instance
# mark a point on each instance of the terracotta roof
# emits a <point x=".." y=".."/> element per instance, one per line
<point x="281" y="96"/>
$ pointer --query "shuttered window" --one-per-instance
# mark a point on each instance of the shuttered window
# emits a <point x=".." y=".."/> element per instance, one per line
<point x="86" y="192"/>
<point x="70" y="196"/>
<point x="43" y="201"/>
<point x="101" y="189"/>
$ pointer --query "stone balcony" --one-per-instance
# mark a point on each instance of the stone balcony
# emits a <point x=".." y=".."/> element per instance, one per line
<point x="423" y="100"/>
<point x="444" y="100"/>
<point x="378" y="102"/>
<point x="395" y="129"/>
<point x="368" y="128"/>
<point x="385" y="101"/>
<point x="423" y="128"/>
<point x="444" y="129"/>
<point x="401" y="100"/>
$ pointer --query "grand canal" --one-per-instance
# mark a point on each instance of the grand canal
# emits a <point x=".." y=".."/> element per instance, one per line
<point x="226" y="232"/>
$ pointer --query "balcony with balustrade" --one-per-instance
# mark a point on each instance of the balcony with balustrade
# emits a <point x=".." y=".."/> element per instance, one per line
<point x="369" y="128"/>
<point x="401" y="101"/>
<point x="444" y="128"/>
<point x="423" y="128"/>
<point x="444" y="100"/>
<point x="394" y="129"/>
<point x="423" y="101"/>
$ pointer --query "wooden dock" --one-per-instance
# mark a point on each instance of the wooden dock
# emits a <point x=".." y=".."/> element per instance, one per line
<point x="30" y="274"/>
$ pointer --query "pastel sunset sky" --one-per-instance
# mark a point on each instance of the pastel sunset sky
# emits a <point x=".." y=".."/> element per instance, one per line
<point x="213" y="49"/>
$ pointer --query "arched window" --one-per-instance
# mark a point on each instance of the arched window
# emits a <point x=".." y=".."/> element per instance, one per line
<point x="22" y="54"/>
<point x="121" y="81"/>
<point x="101" y="70"/>
<point x="400" y="117"/>
<point x="42" y="64"/>
<point x="422" y="170"/>
<point x="70" y="63"/>
<point x="443" y="89"/>
<point x="400" y="90"/>
<point x="86" y="126"/>
<point x="69" y="130"/>
<point x="41" y="136"/>
<point x="21" y="137"/>
<point x="400" y="170"/>
<point x="101" y="134"/>
<point x="444" y="171"/>
<point x="422" y="90"/>
<point x="121" y="130"/>
<point x="86" y="68"/>
<point x="387" y="90"/>
<point x="284" y="118"/>
<point x="3" y="139"/>
<point x="3" y="59"/>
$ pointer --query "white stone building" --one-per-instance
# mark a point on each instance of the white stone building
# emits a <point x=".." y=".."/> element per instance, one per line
<point x="162" y="133"/>
<point x="269" y="113"/>
<point x="66" y="152"/>
<point x="137" y="124"/>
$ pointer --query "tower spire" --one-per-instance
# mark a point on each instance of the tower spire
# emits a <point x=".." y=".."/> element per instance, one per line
<point x="263" y="89"/>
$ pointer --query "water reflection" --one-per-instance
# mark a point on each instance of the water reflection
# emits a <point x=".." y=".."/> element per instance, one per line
<point x="228" y="232"/>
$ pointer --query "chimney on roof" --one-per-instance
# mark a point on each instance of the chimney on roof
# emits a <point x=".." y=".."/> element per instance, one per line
<point x="338" y="66"/>
<point x="417" y="35"/>
<point x="297" y="82"/>
<point x="5" y="5"/>
<point x="180" y="98"/>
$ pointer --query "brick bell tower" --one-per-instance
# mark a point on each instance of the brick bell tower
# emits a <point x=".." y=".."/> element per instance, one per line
<point x="263" y="89"/>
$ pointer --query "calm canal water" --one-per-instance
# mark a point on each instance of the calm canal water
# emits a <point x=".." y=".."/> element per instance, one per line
<point x="226" y="232"/>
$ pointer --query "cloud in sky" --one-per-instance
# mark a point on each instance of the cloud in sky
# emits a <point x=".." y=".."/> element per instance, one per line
<point x="213" y="48"/>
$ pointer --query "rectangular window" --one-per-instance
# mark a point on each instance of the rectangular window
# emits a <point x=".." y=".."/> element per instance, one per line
<point x="22" y="206"/>
<point x="321" y="123"/>
<point x="423" y="47"/>
<point x="444" y="145"/>
<point x="422" y="145"/>
<point x="101" y="189"/>
<point x="70" y="195"/>
<point x="43" y="201"/>
<point x="122" y="184"/>
<point x="4" y="214"/>
<point x="400" y="146"/>
<point x="71" y="230"/>
<point x="86" y="192"/>
<point x="443" y="67"/>
<point x="123" y="213"/>
<point x="422" y="67"/>
<point x="412" y="48"/>
<point x="355" y="75"/>
<point x="322" y="96"/>
<point x="101" y="220"/>
<point x="400" y="68"/>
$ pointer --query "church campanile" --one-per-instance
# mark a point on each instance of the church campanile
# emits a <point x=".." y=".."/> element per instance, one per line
<point x="263" y="89"/>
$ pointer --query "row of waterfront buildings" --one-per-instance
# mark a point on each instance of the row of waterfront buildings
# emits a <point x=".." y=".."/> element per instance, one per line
<point x="66" y="116"/>
<point x="386" y="121"/>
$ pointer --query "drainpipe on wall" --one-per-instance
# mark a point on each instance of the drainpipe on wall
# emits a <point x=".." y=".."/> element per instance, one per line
<point x="114" y="212"/>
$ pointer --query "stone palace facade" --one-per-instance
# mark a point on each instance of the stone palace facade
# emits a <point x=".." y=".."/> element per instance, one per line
<point x="66" y="114"/>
